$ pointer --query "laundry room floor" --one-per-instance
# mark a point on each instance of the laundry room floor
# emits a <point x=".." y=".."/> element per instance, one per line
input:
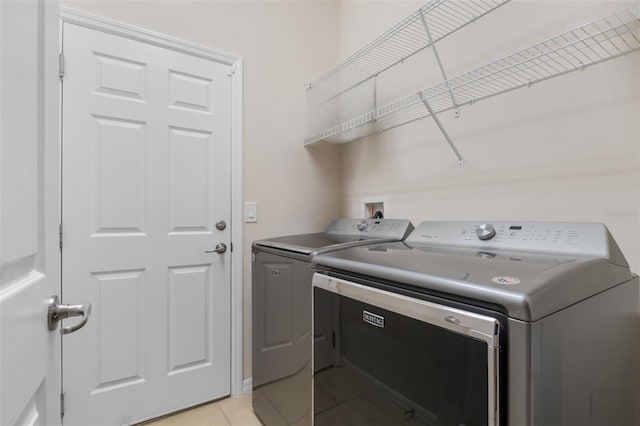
<point x="234" y="411"/>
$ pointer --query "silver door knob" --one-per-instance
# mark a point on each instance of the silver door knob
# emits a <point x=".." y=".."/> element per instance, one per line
<point x="58" y="312"/>
<point x="220" y="248"/>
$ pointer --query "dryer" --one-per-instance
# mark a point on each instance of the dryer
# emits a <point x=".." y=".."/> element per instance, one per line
<point x="469" y="323"/>
<point x="282" y="311"/>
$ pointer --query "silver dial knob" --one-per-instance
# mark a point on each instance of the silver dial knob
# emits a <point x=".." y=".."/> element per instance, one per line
<point x="362" y="225"/>
<point x="485" y="231"/>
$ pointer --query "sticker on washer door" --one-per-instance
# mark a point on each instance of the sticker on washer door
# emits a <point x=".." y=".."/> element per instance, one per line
<point x="373" y="319"/>
<point x="506" y="280"/>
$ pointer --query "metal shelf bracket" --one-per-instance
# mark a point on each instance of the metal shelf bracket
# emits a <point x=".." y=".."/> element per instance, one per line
<point x="433" y="115"/>
<point x="432" y="44"/>
<point x="446" y="79"/>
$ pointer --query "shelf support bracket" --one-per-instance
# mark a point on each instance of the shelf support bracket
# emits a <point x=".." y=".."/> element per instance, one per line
<point x="424" y="100"/>
<point x="375" y="97"/>
<point x="456" y="108"/>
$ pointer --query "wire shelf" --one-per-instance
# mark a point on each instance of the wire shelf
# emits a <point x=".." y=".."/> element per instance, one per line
<point x="405" y="39"/>
<point x="597" y="41"/>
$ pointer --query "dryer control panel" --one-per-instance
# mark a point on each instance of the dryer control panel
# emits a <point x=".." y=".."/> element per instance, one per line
<point x="584" y="239"/>
<point x="396" y="229"/>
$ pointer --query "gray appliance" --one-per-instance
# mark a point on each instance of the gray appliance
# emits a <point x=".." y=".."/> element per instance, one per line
<point x="465" y="323"/>
<point x="282" y="310"/>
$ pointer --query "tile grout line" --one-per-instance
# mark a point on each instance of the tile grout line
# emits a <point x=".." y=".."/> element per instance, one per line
<point x="225" y="416"/>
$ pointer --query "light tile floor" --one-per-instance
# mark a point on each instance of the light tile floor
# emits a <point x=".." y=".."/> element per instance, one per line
<point x="234" y="411"/>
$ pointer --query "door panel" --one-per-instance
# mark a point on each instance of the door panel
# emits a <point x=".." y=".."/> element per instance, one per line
<point x="119" y="337"/>
<point x="29" y="254"/>
<point x="282" y="317"/>
<point x="146" y="174"/>
<point x="278" y="304"/>
<point x="119" y="175"/>
<point x="188" y="310"/>
<point x="189" y="211"/>
<point x="281" y="339"/>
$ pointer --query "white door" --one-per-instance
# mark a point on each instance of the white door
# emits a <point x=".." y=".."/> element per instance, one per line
<point x="146" y="176"/>
<point x="29" y="253"/>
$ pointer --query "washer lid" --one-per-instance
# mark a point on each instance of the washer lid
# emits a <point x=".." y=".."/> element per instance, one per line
<point x="528" y="284"/>
<point x="342" y="233"/>
<point x="310" y="243"/>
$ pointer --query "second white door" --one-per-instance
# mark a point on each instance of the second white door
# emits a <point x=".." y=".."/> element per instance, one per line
<point x="146" y="176"/>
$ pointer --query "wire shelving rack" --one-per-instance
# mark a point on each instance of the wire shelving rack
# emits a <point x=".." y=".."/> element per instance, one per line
<point x="594" y="42"/>
<point x="405" y="39"/>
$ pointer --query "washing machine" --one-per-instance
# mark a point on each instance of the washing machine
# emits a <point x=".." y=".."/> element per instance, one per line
<point x="282" y="312"/>
<point x="471" y="323"/>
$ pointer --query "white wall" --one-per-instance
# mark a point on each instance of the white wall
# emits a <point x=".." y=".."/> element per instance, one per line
<point x="283" y="45"/>
<point x="567" y="149"/>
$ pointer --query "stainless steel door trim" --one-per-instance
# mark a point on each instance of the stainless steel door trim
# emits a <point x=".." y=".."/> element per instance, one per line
<point x="493" y="373"/>
<point x="470" y="324"/>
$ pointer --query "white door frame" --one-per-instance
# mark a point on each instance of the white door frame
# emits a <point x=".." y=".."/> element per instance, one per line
<point x="94" y="22"/>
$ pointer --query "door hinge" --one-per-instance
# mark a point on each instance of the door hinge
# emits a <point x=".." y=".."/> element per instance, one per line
<point x="61" y="66"/>
<point x="61" y="404"/>
<point x="60" y="236"/>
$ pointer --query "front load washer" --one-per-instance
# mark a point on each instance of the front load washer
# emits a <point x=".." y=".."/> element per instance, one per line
<point x="281" y="298"/>
<point x="465" y="323"/>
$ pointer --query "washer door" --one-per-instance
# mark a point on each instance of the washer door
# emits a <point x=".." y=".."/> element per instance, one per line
<point x="398" y="359"/>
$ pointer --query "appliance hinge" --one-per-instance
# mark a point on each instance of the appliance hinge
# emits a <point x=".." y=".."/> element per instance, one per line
<point x="61" y="66"/>
<point x="60" y="236"/>
<point x="231" y="244"/>
<point x="61" y="404"/>
<point x="333" y="339"/>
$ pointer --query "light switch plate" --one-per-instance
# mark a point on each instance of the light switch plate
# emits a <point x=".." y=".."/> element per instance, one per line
<point x="250" y="211"/>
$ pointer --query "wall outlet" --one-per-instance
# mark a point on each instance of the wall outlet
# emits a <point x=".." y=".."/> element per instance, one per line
<point x="374" y="207"/>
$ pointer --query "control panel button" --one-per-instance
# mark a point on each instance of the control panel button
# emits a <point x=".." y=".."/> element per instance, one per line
<point x="362" y="225"/>
<point x="485" y="231"/>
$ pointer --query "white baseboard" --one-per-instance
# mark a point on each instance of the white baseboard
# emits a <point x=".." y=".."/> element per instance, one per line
<point x="247" y="385"/>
